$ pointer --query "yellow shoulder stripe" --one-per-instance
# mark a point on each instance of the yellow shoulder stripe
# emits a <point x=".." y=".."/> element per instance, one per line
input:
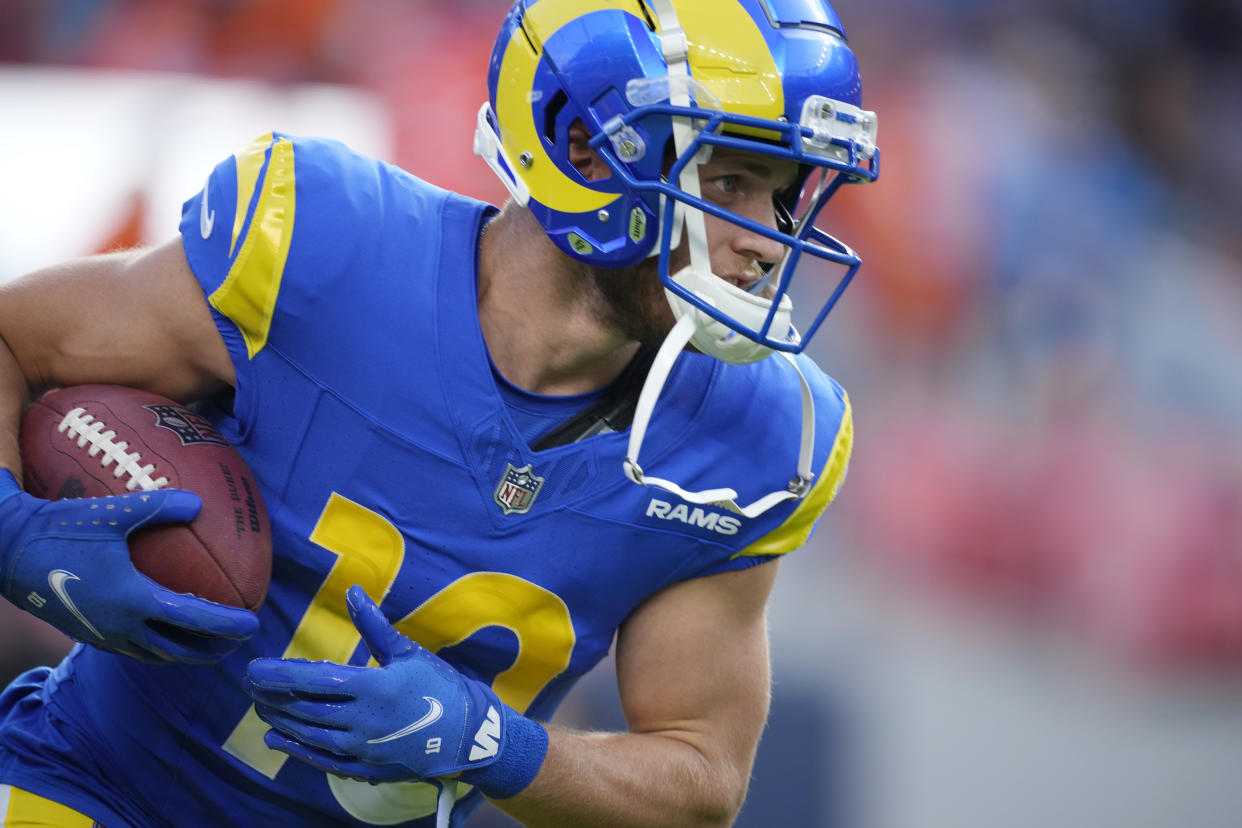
<point x="21" y="807"/>
<point x="249" y="161"/>
<point x="797" y="528"/>
<point x="248" y="294"/>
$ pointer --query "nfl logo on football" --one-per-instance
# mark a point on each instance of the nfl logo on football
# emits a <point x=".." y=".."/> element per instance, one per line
<point x="517" y="489"/>
<point x="189" y="427"/>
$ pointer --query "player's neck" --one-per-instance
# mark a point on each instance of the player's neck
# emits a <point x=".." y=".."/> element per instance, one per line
<point x="539" y="313"/>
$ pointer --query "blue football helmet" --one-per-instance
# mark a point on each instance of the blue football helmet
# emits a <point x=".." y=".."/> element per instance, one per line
<point x="650" y="77"/>
<point x="658" y="84"/>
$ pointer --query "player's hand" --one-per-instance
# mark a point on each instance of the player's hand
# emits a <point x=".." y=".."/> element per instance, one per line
<point x="412" y="717"/>
<point x="67" y="562"/>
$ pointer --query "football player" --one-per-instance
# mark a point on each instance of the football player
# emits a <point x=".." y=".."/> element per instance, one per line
<point x="491" y="442"/>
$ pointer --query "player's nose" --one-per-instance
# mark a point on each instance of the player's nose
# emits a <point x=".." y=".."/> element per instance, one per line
<point x="747" y="241"/>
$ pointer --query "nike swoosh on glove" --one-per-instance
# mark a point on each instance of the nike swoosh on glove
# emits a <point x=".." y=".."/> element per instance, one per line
<point x="412" y="717"/>
<point x="67" y="562"/>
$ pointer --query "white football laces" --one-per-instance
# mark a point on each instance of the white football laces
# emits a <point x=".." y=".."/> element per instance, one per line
<point x="85" y="430"/>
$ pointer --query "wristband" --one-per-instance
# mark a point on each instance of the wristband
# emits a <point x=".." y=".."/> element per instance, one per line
<point x="517" y="764"/>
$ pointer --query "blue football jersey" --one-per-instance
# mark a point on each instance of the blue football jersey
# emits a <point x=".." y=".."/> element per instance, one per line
<point x="366" y="405"/>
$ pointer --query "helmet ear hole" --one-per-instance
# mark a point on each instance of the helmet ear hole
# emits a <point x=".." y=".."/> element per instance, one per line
<point x="555" y="105"/>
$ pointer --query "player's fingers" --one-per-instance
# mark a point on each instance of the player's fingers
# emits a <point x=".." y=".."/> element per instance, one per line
<point x="312" y="734"/>
<point x="177" y="645"/>
<point x="381" y="638"/>
<point x="141" y="652"/>
<point x="167" y="506"/>
<point x="325" y="712"/>
<point x="200" y="616"/>
<point x="117" y="515"/>
<point x="321" y="679"/>
<point x="121" y="514"/>
<point x="323" y="760"/>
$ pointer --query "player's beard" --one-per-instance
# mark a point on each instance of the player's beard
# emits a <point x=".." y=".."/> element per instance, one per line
<point x="632" y="300"/>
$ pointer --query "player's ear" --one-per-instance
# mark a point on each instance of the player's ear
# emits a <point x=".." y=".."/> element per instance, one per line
<point x="585" y="160"/>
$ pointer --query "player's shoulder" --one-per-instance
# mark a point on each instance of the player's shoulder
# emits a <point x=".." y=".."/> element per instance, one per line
<point x="310" y="208"/>
<point x="761" y="407"/>
<point x="765" y="399"/>
<point x="339" y="193"/>
<point x="752" y="416"/>
<point x="314" y="195"/>
<point x="303" y="243"/>
<point x="328" y="166"/>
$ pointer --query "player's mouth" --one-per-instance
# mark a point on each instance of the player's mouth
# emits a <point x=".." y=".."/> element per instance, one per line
<point x="747" y="281"/>
<point x="738" y="280"/>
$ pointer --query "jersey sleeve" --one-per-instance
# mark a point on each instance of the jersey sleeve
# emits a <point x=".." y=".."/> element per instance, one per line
<point x="237" y="234"/>
<point x="307" y="252"/>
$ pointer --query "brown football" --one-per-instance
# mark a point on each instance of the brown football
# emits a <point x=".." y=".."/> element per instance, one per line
<point x="97" y="440"/>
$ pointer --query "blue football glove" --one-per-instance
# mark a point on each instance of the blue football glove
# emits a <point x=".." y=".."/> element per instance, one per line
<point x="413" y="717"/>
<point x="67" y="562"/>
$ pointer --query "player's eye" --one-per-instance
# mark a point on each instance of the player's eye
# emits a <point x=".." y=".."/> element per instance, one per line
<point x="723" y="189"/>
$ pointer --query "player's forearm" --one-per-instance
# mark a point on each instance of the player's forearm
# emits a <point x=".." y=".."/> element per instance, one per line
<point x="38" y="312"/>
<point x="30" y="313"/>
<point x="13" y="394"/>
<point x="616" y="780"/>
<point x="135" y="318"/>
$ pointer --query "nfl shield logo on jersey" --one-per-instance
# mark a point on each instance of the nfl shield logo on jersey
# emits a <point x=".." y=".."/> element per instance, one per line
<point x="517" y="489"/>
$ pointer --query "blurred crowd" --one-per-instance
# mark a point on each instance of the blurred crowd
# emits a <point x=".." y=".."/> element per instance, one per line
<point x="1049" y="335"/>
<point x="1043" y="345"/>
<point x="425" y="59"/>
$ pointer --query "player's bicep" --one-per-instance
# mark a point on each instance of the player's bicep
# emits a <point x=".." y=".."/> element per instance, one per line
<point x="692" y="664"/>
<point x="134" y="318"/>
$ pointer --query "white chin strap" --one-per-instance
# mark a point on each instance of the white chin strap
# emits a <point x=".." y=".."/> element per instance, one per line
<point x="672" y="347"/>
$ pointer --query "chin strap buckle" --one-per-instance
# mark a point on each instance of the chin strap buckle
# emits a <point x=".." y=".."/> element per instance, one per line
<point x="799" y="485"/>
<point x="634" y="472"/>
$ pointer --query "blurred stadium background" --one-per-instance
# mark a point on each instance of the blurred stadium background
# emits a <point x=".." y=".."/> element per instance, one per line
<point x="1025" y="609"/>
